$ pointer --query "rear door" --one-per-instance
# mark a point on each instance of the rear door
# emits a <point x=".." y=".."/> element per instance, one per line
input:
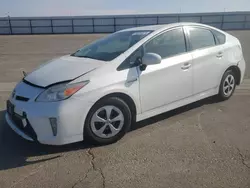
<point x="171" y="80"/>
<point x="207" y="58"/>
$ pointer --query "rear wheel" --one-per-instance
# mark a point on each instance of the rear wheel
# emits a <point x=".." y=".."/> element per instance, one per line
<point x="227" y="86"/>
<point x="108" y="121"/>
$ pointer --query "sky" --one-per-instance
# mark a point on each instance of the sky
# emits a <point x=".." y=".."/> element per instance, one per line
<point x="17" y="8"/>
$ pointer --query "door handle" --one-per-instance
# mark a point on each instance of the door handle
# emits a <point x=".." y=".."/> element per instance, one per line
<point x="186" y="66"/>
<point x="219" y="55"/>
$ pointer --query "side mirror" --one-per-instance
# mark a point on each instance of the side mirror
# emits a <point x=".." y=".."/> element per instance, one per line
<point x="151" y="59"/>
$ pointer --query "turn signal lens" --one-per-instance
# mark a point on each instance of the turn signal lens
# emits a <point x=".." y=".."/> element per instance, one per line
<point x="70" y="91"/>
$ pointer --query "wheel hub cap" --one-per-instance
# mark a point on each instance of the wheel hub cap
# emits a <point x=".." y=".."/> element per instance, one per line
<point x="107" y="121"/>
<point x="228" y="85"/>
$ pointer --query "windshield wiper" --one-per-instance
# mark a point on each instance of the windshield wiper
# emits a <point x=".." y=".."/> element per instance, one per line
<point x="84" y="56"/>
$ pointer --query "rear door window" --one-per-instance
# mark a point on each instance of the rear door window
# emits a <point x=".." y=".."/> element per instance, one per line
<point x="200" y="38"/>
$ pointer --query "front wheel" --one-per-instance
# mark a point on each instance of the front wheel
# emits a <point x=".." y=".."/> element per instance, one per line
<point x="227" y="85"/>
<point x="108" y="121"/>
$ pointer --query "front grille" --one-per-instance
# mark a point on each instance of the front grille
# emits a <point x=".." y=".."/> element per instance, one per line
<point x="28" y="130"/>
<point x="20" y="98"/>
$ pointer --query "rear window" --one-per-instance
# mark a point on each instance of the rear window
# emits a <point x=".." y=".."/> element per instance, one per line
<point x="219" y="37"/>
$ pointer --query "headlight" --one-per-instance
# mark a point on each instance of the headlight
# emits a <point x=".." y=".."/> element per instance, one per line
<point x="60" y="92"/>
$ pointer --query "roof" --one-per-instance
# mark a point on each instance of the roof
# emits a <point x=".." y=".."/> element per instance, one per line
<point x="165" y="26"/>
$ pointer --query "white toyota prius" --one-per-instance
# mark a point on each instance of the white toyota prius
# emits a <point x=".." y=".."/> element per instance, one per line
<point x="98" y="92"/>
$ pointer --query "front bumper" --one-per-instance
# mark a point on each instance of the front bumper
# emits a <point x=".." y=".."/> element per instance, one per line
<point x="15" y="128"/>
<point x="70" y="115"/>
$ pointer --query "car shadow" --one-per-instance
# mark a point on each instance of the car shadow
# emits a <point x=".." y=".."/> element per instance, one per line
<point x="14" y="151"/>
<point x="174" y="112"/>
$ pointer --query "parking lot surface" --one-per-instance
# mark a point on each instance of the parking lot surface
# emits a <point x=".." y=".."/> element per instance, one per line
<point x="204" y="144"/>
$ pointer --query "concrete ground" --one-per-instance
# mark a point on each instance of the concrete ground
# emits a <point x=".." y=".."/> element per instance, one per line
<point x="205" y="144"/>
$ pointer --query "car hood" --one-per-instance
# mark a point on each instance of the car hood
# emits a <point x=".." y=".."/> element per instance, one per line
<point x="62" y="69"/>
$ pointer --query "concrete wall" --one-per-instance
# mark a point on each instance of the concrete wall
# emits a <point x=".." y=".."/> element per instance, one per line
<point x="108" y="24"/>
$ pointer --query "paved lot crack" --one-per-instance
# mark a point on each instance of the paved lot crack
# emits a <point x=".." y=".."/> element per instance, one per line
<point x="199" y="124"/>
<point x="82" y="179"/>
<point x="91" y="156"/>
<point x="93" y="167"/>
<point x="92" y="162"/>
<point x="242" y="159"/>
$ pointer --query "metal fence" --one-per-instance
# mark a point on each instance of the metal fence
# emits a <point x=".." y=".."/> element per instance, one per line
<point x="109" y="24"/>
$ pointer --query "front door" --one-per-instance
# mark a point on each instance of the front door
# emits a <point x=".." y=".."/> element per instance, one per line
<point x="171" y="80"/>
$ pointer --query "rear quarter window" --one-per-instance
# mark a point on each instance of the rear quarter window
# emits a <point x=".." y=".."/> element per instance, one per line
<point x="219" y="37"/>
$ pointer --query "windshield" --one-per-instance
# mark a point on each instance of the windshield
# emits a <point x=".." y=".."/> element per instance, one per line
<point x="112" y="46"/>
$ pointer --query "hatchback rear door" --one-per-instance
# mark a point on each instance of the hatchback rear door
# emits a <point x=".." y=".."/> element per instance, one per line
<point x="208" y="60"/>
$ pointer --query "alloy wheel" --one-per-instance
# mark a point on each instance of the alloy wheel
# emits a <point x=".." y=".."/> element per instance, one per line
<point x="107" y="121"/>
<point x="228" y="85"/>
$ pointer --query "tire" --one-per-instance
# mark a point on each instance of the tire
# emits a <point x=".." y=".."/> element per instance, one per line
<point x="223" y="94"/>
<point x="101" y="130"/>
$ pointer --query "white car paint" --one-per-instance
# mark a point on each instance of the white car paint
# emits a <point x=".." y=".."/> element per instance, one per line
<point x="176" y="81"/>
<point x="61" y="69"/>
<point x="166" y="86"/>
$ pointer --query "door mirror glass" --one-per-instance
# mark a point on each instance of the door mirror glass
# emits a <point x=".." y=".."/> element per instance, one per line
<point x="151" y="59"/>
